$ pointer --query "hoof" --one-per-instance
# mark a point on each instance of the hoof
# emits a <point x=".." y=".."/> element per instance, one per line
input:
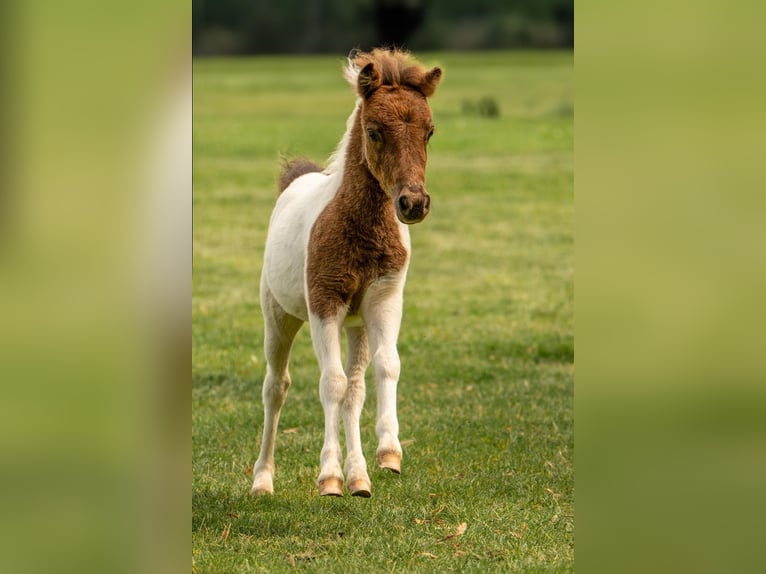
<point x="260" y="492"/>
<point x="360" y="487"/>
<point x="390" y="460"/>
<point x="262" y="485"/>
<point x="331" y="487"/>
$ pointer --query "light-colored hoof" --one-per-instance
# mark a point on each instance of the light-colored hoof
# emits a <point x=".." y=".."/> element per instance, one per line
<point x="260" y="491"/>
<point x="360" y="487"/>
<point x="390" y="460"/>
<point x="331" y="487"/>
<point x="262" y="485"/>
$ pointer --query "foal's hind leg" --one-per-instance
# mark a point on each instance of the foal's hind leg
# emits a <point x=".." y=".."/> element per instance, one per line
<point x="280" y="330"/>
<point x="357" y="358"/>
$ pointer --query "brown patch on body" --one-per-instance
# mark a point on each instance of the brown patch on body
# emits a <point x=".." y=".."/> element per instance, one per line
<point x="356" y="239"/>
<point x="293" y="169"/>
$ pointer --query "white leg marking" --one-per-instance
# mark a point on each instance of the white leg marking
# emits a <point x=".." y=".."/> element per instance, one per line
<point x="356" y="365"/>
<point x="280" y="330"/>
<point x="383" y="314"/>
<point x="325" y="334"/>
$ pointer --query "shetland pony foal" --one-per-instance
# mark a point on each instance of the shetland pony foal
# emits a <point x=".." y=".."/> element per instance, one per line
<point x="337" y="255"/>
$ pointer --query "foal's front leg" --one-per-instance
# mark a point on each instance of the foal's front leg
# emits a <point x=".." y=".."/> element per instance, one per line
<point x="356" y="364"/>
<point x="326" y="334"/>
<point x="383" y="316"/>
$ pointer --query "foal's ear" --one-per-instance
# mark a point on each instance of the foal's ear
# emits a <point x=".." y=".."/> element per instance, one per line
<point x="430" y="81"/>
<point x="369" y="80"/>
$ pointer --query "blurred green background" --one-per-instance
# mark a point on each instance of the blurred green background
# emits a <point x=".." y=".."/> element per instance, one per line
<point x="335" y="26"/>
<point x="487" y="343"/>
<point x="670" y="282"/>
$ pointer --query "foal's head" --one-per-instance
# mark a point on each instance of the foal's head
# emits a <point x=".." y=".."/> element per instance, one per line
<point x="396" y="125"/>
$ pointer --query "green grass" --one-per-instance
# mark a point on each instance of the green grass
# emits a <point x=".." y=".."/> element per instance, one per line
<point x="486" y="391"/>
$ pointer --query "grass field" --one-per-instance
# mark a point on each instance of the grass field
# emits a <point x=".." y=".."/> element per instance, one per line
<point x="487" y="350"/>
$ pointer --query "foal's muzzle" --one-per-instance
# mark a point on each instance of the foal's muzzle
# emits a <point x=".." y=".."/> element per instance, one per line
<point x="412" y="204"/>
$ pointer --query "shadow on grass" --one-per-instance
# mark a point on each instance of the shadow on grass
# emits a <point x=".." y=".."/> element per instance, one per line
<point x="291" y="512"/>
<point x="262" y="517"/>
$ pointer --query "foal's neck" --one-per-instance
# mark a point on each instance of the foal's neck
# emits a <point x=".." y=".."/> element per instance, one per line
<point x="360" y="196"/>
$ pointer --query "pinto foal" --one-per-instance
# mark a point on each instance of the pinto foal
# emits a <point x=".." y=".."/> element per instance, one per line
<point x="336" y="256"/>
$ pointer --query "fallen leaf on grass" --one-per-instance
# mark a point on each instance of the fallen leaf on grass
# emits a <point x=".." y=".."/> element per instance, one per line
<point x="290" y="431"/>
<point x="523" y="530"/>
<point x="458" y="531"/>
<point x="553" y="494"/>
<point x="225" y="534"/>
<point x="428" y="555"/>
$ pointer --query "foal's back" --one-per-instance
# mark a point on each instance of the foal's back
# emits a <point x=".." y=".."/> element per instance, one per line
<point x="297" y="208"/>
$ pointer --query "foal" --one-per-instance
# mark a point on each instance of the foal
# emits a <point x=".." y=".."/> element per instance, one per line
<point x="337" y="255"/>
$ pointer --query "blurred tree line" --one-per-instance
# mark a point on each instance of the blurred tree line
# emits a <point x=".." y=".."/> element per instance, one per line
<point x="304" y="26"/>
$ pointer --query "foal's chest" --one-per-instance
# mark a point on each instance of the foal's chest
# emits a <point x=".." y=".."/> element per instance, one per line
<point x="346" y="257"/>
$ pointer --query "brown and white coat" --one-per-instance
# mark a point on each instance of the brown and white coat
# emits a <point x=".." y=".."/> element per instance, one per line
<point x="336" y="256"/>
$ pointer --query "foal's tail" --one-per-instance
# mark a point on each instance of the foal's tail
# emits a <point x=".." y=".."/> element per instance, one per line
<point x="293" y="169"/>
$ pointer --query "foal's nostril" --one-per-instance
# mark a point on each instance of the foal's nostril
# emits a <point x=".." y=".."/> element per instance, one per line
<point x="427" y="203"/>
<point x="404" y="203"/>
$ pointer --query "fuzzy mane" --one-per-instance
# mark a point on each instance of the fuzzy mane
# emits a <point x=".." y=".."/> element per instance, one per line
<point x="396" y="67"/>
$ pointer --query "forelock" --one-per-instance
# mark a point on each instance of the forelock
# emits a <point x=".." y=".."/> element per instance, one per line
<point x="396" y="68"/>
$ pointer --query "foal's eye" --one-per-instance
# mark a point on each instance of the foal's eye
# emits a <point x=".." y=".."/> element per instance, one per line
<point x="373" y="135"/>
<point x="430" y="133"/>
